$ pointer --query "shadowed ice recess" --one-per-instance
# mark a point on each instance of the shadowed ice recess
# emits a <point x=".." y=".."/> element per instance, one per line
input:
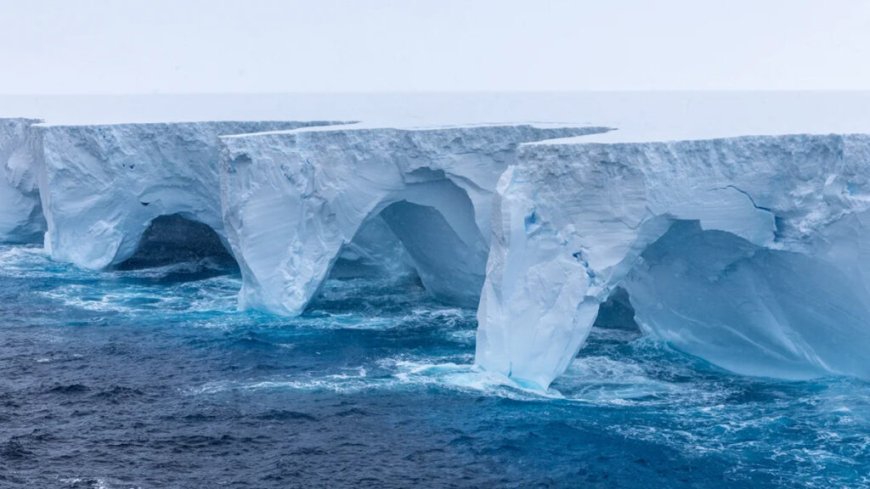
<point x="157" y="369"/>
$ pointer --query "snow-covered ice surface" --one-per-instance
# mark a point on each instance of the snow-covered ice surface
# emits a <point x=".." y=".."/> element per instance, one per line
<point x="102" y="185"/>
<point x="293" y="200"/>
<point x="749" y="252"/>
<point x="20" y="213"/>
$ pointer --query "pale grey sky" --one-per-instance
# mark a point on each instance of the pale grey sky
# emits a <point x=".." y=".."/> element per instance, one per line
<point x="190" y="46"/>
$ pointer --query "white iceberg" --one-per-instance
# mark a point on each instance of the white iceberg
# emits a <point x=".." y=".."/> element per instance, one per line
<point x="20" y="214"/>
<point x="102" y="185"/>
<point x="294" y="202"/>
<point x="751" y="252"/>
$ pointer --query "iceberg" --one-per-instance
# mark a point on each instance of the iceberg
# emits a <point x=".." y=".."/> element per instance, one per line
<point x="752" y="253"/>
<point x="101" y="186"/>
<point x="747" y="251"/>
<point x="20" y="213"/>
<point x="295" y="201"/>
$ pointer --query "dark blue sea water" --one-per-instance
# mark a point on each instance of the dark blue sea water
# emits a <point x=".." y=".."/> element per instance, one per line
<point x="151" y="378"/>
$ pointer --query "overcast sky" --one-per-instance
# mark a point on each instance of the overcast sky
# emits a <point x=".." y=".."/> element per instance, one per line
<point x="188" y="46"/>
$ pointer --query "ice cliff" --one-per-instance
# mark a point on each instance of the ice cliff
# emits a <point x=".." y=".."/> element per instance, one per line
<point x="751" y="252"/>
<point x="20" y="214"/>
<point x="293" y="202"/>
<point x="102" y="185"/>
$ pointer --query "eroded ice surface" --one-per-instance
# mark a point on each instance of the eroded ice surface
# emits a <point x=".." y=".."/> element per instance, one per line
<point x="293" y="201"/>
<point x="750" y="252"/>
<point x="20" y="214"/>
<point x="102" y="185"/>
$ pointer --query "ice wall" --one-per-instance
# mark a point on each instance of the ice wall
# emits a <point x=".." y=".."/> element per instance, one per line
<point x="294" y="200"/>
<point x="749" y="252"/>
<point x="20" y="214"/>
<point x="102" y="185"/>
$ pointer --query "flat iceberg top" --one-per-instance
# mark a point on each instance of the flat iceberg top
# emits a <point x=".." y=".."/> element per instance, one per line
<point x="166" y="126"/>
<point x="18" y="120"/>
<point x="560" y="150"/>
<point x="639" y="116"/>
<point x="717" y="115"/>
<point x="382" y="129"/>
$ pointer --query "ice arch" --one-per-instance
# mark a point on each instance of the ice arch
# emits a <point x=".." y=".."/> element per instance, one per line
<point x="293" y="200"/>
<point x="750" y="309"/>
<point x="374" y="252"/>
<point x="436" y="225"/>
<point x="176" y="239"/>
<point x="749" y="252"/>
<point x="101" y="185"/>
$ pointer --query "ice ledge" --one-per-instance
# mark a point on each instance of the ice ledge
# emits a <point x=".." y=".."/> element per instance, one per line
<point x="583" y="129"/>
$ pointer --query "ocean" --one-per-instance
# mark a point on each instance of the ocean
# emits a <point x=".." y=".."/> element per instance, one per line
<point x="152" y="378"/>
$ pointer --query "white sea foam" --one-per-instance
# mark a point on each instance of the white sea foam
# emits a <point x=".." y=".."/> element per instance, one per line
<point x="590" y="380"/>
